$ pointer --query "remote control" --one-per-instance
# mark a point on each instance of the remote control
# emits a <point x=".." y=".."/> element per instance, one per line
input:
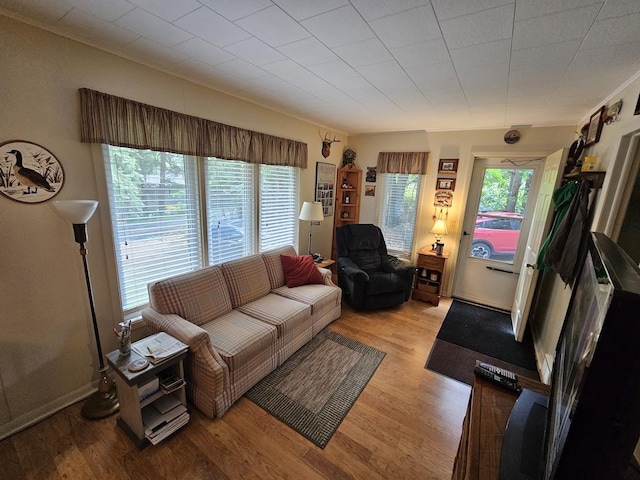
<point x="498" y="375"/>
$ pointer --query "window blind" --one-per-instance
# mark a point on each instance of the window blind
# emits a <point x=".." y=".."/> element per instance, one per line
<point x="231" y="208"/>
<point x="154" y="208"/>
<point x="278" y="206"/>
<point x="397" y="211"/>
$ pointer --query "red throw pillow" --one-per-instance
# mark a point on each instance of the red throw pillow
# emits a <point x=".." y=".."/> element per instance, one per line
<point x="300" y="270"/>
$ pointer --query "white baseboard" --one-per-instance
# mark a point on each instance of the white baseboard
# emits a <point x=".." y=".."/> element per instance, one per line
<point x="29" y="419"/>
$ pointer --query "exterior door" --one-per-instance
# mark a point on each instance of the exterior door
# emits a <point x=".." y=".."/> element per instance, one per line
<point x="542" y="217"/>
<point x="495" y="230"/>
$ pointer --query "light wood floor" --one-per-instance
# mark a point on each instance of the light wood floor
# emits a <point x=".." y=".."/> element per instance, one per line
<point x="405" y="425"/>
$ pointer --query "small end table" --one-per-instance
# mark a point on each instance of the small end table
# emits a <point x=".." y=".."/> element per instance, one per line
<point x="429" y="276"/>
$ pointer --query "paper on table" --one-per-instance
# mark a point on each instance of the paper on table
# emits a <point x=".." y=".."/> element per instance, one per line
<point x="158" y="347"/>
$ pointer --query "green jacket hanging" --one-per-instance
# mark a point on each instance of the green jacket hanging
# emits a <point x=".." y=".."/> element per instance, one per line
<point x="562" y="200"/>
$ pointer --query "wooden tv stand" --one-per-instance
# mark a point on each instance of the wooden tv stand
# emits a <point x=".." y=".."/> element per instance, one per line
<point x="480" y="446"/>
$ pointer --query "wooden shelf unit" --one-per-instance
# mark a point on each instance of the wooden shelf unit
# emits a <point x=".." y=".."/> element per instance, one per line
<point x="429" y="276"/>
<point x="347" y="199"/>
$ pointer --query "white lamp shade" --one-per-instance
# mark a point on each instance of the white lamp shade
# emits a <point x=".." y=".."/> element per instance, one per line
<point x="439" y="228"/>
<point x="76" y="211"/>
<point x="311" y="212"/>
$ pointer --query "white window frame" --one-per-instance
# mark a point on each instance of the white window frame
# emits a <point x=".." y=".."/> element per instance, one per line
<point x="383" y="204"/>
<point x="252" y="245"/>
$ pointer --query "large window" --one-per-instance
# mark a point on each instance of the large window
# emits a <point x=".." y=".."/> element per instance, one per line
<point x="172" y="214"/>
<point x="398" y="204"/>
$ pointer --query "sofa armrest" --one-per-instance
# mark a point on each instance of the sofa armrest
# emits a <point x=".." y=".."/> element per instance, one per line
<point x="326" y="276"/>
<point x="207" y="369"/>
<point x="350" y="270"/>
<point x="176" y="326"/>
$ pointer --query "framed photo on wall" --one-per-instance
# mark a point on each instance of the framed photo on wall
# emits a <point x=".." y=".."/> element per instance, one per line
<point x="326" y="186"/>
<point x="448" y="165"/>
<point x="446" y="184"/>
<point x="595" y="127"/>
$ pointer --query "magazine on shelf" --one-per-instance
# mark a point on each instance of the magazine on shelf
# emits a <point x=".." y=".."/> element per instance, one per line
<point x="157" y="348"/>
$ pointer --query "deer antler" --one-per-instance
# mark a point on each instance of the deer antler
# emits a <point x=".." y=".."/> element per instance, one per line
<point x="326" y="138"/>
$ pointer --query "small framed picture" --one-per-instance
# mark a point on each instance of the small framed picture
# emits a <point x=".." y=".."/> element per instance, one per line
<point x="595" y="127"/>
<point x="446" y="184"/>
<point x="448" y="165"/>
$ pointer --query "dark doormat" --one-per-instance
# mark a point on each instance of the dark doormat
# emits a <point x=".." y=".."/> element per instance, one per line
<point x="457" y="362"/>
<point x="486" y="331"/>
<point x="482" y="334"/>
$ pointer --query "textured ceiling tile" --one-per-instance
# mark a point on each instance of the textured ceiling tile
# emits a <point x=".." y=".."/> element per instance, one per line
<point x="619" y="8"/>
<point x="339" y="27"/>
<point x="234" y="9"/>
<point x="362" y="53"/>
<point x="372" y="9"/>
<point x="152" y="27"/>
<point x="109" y="11"/>
<point x="556" y="28"/>
<point x="387" y="76"/>
<point x="485" y="54"/>
<point x="614" y="31"/>
<point x="446" y="9"/>
<point x="406" y="28"/>
<point x="484" y="27"/>
<point x="149" y="50"/>
<point x="334" y="70"/>
<point x="168" y="10"/>
<point x="543" y="55"/>
<point x="608" y="56"/>
<point x="273" y="26"/>
<point x="302" y="9"/>
<point x="421" y="54"/>
<point x="308" y="52"/>
<point x="208" y="25"/>
<point x="539" y="8"/>
<point x="100" y="31"/>
<point x="254" y="51"/>
<point x="44" y="11"/>
<point x="242" y="69"/>
<point x="203" y="51"/>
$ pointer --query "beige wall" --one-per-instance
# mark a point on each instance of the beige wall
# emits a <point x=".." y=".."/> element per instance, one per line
<point x="611" y="151"/>
<point x="455" y="144"/>
<point x="47" y="353"/>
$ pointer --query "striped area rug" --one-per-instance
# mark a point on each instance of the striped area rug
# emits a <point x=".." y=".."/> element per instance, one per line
<point x="316" y="387"/>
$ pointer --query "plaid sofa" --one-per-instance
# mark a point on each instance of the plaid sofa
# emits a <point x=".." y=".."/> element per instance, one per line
<point x="240" y="321"/>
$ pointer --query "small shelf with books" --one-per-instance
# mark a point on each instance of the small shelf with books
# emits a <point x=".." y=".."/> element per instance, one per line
<point x="151" y="390"/>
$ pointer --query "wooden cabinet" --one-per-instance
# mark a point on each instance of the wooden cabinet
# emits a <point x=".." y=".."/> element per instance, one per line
<point x="348" y="192"/>
<point x="429" y="276"/>
<point x="483" y="429"/>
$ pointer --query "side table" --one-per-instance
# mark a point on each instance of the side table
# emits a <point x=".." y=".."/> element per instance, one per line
<point x="128" y="385"/>
<point x="430" y="276"/>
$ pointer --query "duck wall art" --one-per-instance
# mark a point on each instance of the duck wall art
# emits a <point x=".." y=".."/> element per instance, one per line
<point x="29" y="173"/>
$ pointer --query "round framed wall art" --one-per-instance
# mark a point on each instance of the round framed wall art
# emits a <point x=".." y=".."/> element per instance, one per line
<point x="29" y="173"/>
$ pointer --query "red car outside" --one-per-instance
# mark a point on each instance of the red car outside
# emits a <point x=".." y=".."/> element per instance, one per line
<point x="496" y="235"/>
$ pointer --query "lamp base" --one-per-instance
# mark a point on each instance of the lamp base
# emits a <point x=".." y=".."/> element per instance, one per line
<point x="104" y="402"/>
<point x="439" y="248"/>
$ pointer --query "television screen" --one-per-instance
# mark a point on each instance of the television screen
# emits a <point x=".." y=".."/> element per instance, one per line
<point x="582" y="327"/>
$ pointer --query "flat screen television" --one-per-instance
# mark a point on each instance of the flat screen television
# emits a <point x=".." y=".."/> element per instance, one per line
<point x="590" y="424"/>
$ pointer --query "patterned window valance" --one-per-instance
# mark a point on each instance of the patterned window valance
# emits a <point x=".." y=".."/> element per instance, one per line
<point x="403" y="162"/>
<point x="118" y="121"/>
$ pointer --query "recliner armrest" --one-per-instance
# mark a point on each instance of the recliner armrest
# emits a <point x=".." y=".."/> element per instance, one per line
<point x="351" y="270"/>
<point x="395" y="264"/>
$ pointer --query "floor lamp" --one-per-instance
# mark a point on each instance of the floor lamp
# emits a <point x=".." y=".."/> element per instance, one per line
<point x="104" y="402"/>
<point x="311" y="212"/>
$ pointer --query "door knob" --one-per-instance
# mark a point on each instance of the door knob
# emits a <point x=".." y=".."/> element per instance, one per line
<point x="531" y="266"/>
<point x="465" y="233"/>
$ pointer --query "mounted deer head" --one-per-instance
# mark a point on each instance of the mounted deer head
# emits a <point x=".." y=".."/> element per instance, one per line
<point x="326" y="144"/>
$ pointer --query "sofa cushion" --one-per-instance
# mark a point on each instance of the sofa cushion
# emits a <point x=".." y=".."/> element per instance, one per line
<point x="198" y="296"/>
<point x="274" y="264"/>
<point x="240" y="339"/>
<point x="283" y="313"/>
<point x="319" y="297"/>
<point x="247" y="279"/>
<point x="300" y="270"/>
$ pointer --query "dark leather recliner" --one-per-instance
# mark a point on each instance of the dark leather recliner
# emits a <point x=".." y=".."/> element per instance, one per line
<point x="370" y="278"/>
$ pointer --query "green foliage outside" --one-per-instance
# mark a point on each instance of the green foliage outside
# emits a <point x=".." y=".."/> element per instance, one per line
<point x="505" y="190"/>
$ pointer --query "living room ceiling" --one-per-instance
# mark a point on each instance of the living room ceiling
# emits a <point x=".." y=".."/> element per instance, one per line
<point x="361" y="66"/>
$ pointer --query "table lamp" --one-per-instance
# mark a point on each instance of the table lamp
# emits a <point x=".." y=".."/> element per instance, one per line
<point x="104" y="402"/>
<point x="439" y="229"/>
<point x="311" y="212"/>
